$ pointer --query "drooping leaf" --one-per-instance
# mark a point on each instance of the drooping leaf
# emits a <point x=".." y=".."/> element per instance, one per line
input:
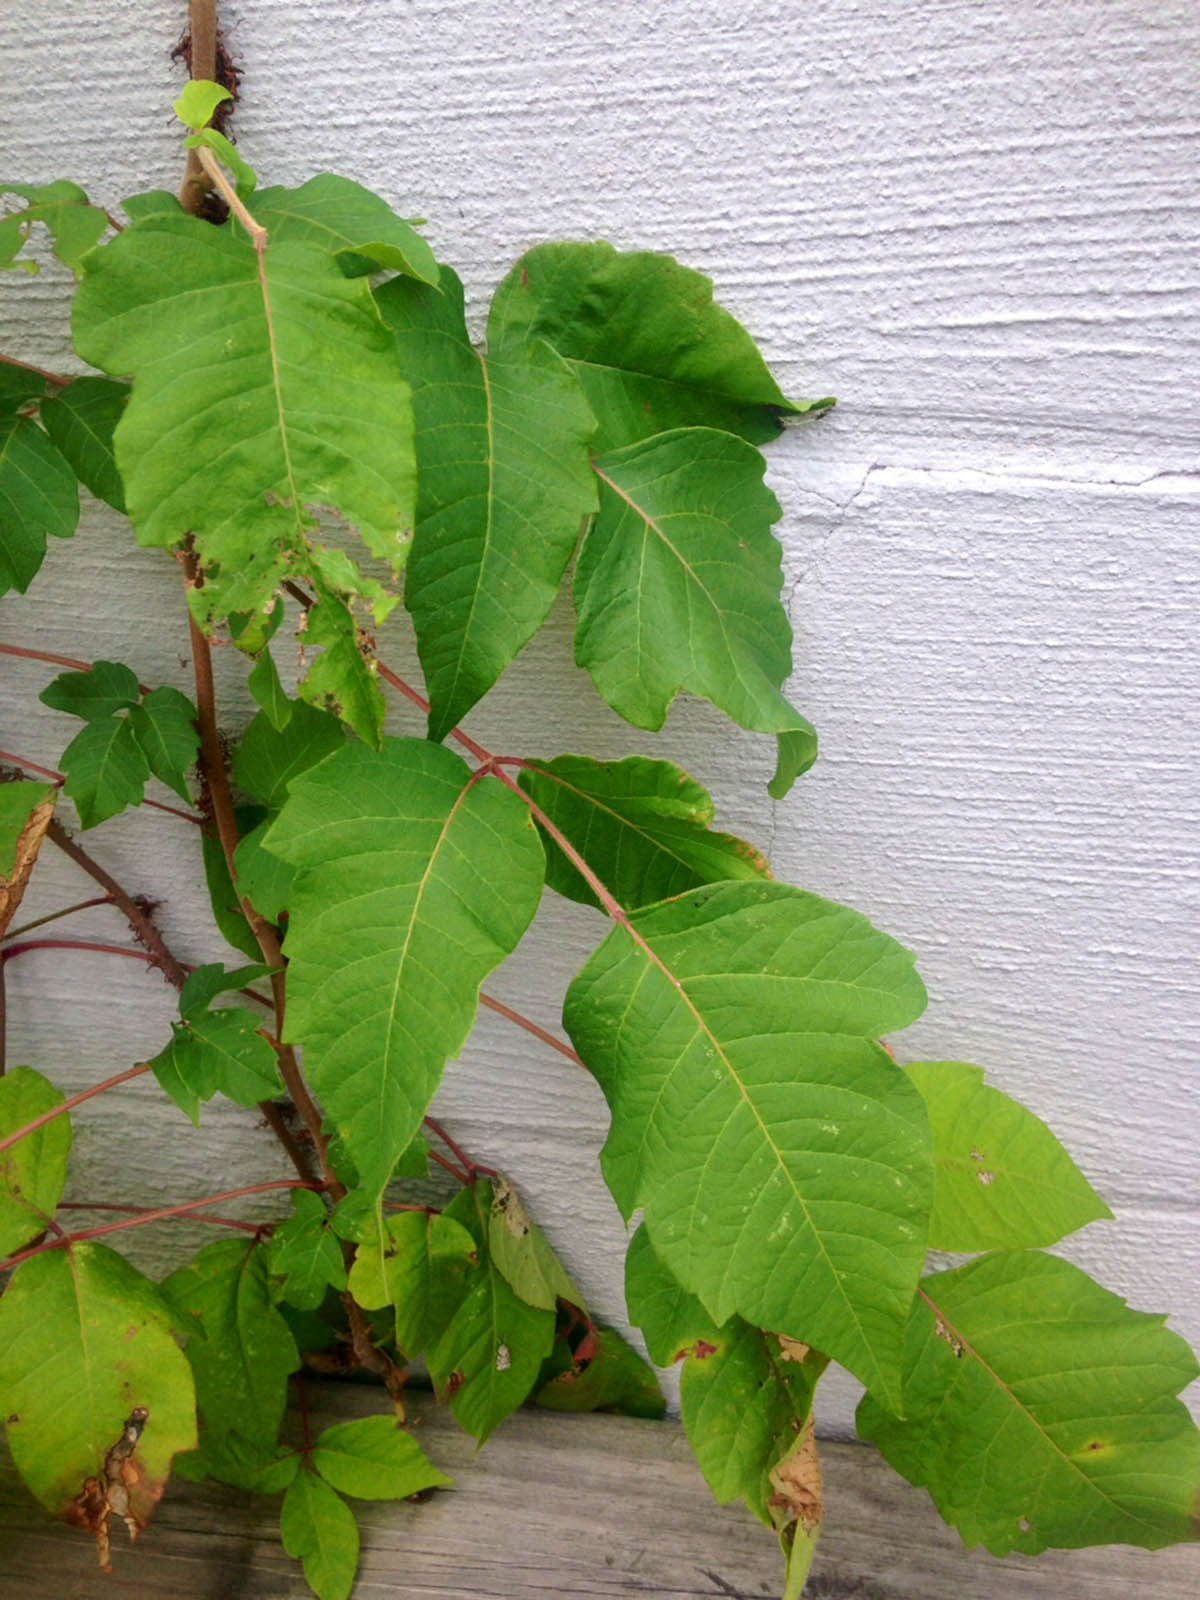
<point x="200" y="98"/>
<point x="522" y="1252"/>
<point x="38" y="497"/>
<point x="677" y="587"/>
<point x="26" y="810"/>
<point x="241" y="1353"/>
<point x="672" y="1319"/>
<point x="106" y="770"/>
<point x="796" y="1508"/>
<point x="731" y="1030"/>
<point x="1040" y="1410"/>
<point x="269" y="757"/>
<point x="373" y="1458"/>
<point x="305" y="1253"/>
<point x="643" y="826"/>
<point x="649" y="346"/>
<point x="504" y="486"/>
<point x="417" y="1263"/>
<point x="269" y="692"/>
<point x="602" y="1373"/>
<point x="318" y="1527"/>
<point x="165" y="727"/>
<point x="359" y="229"/>
<point x="33" y="1172"/>
<point x="85" y="1341"/>
<point x="418" y="880"/>
<point x="62" y="207"/>
<point x="81" y="419"/>
<point x="95" y="696"/>
<point x="1001" y="1180"/>
<point x="489" y="1356"/>
<point x="322" y="414"/>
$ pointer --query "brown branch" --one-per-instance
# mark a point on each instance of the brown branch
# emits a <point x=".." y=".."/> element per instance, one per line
<point x="46" y="656"/>
<point x="202" y="63"/>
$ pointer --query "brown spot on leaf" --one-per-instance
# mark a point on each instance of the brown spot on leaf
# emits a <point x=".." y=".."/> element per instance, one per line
<point x="796" y="1480"/>
<point x="986" y="1178"/>
<point x="454" y="1383"/>
<point x="124" y="1490"/>
<point x="792" y="1350"/>
<point x="944" y="1331"/>
<point x="1025" y="1525"/>
<point x="701" y="1350"/>
<point x="507" y="1203"/>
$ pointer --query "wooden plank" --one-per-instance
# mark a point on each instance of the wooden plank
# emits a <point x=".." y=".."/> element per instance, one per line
<point x="588" y="1507"/>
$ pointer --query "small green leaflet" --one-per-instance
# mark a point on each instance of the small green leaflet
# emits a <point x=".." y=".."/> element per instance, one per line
<point x="318" y="1527"/>
<point x="216" y="1052"/>
<point x="732" y="1031"/>
<point x="418" y="879"/>
<point x="678" y="584"/>
<point x="33" y="1172"/>
<point x="644" y="827"/>
<point x="200" y="98"/>
<point x="263" y="878"/>
<point x="306" y="1255"/>
<point x="374" y="1458"/>
<point x="106" y="770"/>
<point x="488" y="1359"/>
<point x="1001" y="1180"/>
<point x="81" y="419"/>
<point x="1039" y="1410"/>
<point x="240" y="1350"/>
<point x="418" y="1263"/>
<point x="649" y="346"/>
<point x="342" y="678"/>
<point x="62" y="207"/>
<point x="84" y="1341"/>
<point x="323" y="414"/>
<point x="523" y="1254"/>
<point x="19" y="384"/>
<point x="356" y="227"/>
<point x="268" y="691"/>
<point x="38" y="497"/>
<point x="223" y="897"/>
<point x="503" y="489"/>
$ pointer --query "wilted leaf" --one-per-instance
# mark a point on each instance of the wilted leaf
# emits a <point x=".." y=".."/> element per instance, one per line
<point x="33" y="1171"/>
<point x="26" y="809"/>
<point x="602" y="1373"/>
<point x="522" y="1252"/>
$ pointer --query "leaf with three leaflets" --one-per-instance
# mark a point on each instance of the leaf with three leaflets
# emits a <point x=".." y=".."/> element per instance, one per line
<point x="62" y="208"/>
<point x="1001" y="1180"/>
<point x="306" y="1255"/>
<point x="1040" y="1410"/>
<point x="732" y="1031"/>
<point x="26" y="810"/>
<point x="678" y="584"/>
<point x="417" y="879"/>
<point x="358" y="228"/>
<point x="81" y="419"/>
<point x="319" y="1528"/>
<point x="38" y="497"/>
<point x="374" y="1458"/>
<point x="33" y="1172"/>
<point x="418" y="1263"/>
<point x="504" y="487"/>
<point x="644" y="827"/>
<point x="649" y="346"/>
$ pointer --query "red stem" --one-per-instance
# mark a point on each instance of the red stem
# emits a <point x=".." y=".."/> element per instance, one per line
<point x="75" y="1100"/>
<point x="9" y="950"/>
<point x="59" y="778"/>
<point x="40" y="372"/>
<point x="529" y="1026"/>
<point x="57" y="916"/>
<point x="44" y="655"/>
<point x="196" y="1216"/>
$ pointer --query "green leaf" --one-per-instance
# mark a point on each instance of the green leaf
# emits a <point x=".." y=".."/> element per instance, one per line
<point x="224" y="898"/>
<point x="418" y="880"/>
<point x="503" y="489"/>
<point x="488" y="1359"/>
<point x="263" y="877"/>
<point x="672" y="1320"/>
<point x="85" y="1341"/>
<point x="281" y="369"/>
<point x="678" y="583"/>
<point x="731" y="1030"/>
<point x="359" y="229"/>
<point x="523" y="1254"/>
<point x="417" y="1263"/>
<point x="62" y="207"/>
<point x="18" y="801"/>
<point x="33" y="1172"/>
<point x="1039" y="1410"/>
<point x="244" y="176"/>
<point x="643" y="826"/>
<point x="106" y="770"/>
<point x="605" y="1374"/>
<point x="319" y="1528"/>
<point x="18" y="385"/>
<point x="152" y="203"/>
<point x="38" y="496"/>
<point x="165" y="727"/>
<point x="1001" y="1180"/>
<point x="342" y="679"/>
<point x="205" y="983"/>
<point x="240" y="1349"/>
<point x="306" y="1254"/>
<point x="81" y="419"/>
<point x="374" y="1458"/>
<point x="651" y="349"/>
<point x="270" y="757"/>
<point x="96" y="695"/>
<point x="199" y="100"/>
<point x="213" y="1052"/>
<point x="269" y="692"/>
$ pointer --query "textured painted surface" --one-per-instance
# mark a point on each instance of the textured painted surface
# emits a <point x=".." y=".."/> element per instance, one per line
<point x="977" y="225"/>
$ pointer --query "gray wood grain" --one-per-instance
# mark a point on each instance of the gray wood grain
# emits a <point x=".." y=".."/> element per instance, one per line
<point x="589" y="1507"/>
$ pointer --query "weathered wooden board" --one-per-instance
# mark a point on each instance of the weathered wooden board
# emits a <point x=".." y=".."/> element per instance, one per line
<point x="591" y="1507"/>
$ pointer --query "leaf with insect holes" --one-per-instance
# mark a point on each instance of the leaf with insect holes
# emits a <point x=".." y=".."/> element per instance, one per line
<point x="81" y="419"/>
<point x="63" y="209"/>
<point x="651" y="349"/>
<point x="38" y="497"/>
<point x="26" y="811"/>
<point x="488" y="1359"/>
<point x="418" y="1263"/>
<point x="264" y="684"/>
<point x="84" y="1340"/>
<point x="342" y="678"/>
<point x="417" y="879"/>
<point x="306" y="1255"/>
<point x="503" y="489"/>
<point x="373" y="1458"/>
<point x="732" y="1030"/>
<point x="319" y="1528"/>
<point x="240" y="1350"/>
<point x="1040" y="1410"/>
<point x="33" y="1172"/>
<point x="1001" y="1180"/>
<point x="644" y="827"/>
<point x="358" y="228"/>
<point x="678" y="587"/>
<point x="280" y="368"/>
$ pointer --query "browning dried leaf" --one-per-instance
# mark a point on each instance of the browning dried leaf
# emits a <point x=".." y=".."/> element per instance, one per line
<point x="796" y="1480"/>
<point x="12" y="887"/>
<point x="125" y="1491"/>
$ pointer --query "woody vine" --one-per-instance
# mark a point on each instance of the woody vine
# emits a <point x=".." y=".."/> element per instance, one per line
<point x="790" y="1174"/>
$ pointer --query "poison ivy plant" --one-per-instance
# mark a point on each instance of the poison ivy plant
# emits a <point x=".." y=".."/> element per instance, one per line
<point x="288" y="397"/>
